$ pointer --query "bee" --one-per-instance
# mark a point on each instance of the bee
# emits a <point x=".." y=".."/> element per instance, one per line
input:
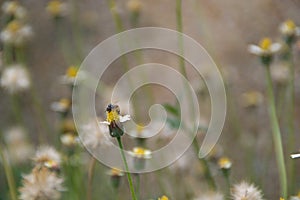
<point x="113" y="114"/>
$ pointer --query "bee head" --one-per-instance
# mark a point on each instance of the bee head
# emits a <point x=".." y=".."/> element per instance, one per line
<point x="109" y="107"/>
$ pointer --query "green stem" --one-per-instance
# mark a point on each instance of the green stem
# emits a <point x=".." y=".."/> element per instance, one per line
<point x="291" y="122"/>
<point x="127" y="169"/>
<point x="207" y="173"/>
<point x="276" y="133"/>
<point x="90" y="178"/>
<point x="180" y="37"/>
<point x="9" y="175"/>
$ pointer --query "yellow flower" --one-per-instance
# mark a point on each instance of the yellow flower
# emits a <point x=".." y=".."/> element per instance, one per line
<point x="224" y="163"/>
<point x="14" y="26"/>
<point x="134" y="5"/>
<point x="113" y="115"/>
<point x="115" y="172"/>
<point x="72" y="71"/>
<point x="56" y="8"/>
<point x="140" y="152"/>
<point x="289" y="28"/>
<point x="163" y="198"/>
<point x="11" y="7"/>
<point x="251" y="99"/>
<point x="264" y="48"/>
<point x="281" y="198"/>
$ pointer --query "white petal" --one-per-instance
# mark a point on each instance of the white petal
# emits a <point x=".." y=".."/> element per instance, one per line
<point x="105" y="122"/>
<point x="296" y="155"/>
<point x="275" y="47"/>
<point x="254" y="49"/>
<point x="124" y="118"/>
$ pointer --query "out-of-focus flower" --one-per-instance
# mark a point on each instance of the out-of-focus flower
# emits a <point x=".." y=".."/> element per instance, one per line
<point x="16" y="33"/>
<point x="19" y="149"/>
<point x="14" y="9"/>
<point x="70" y="76"/>
<point x="134" y="5"/>
<point x="247" y="191"/>
<point x="47" y="156"/>
<point x="95" y="135"/>
<point x="114" y="120"/>
<point x="210" y="196"/>
<point x="115" y="175"/>
<point x="69" y="139"/>
<point x="280" y="73"/>
<point x="15" y="78"/>
<point x="224" y="163"/>
<point x="61" y="106"/>
<point x="164" y="197"/>
<point x="265" y="50"/>
<point x="251" y="99"/>
<point x="295" y="197"/>
<point x="41" y="184"/>
<point x="289" y="30"/>
<point x="139" y="152"/>
<point x="57" y="8"/>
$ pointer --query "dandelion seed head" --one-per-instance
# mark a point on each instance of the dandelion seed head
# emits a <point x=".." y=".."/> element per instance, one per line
<point x="246" y="191"/>
<point x="47" y="156"/>
<point x="41" y="184"/>
<point x="15" y="78"/>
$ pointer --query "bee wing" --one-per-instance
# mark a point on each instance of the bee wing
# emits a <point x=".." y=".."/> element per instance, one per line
<point x="295" y="155"/>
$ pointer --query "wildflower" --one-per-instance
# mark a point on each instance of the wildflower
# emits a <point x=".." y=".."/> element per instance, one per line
<point x="211" y="196"/>
<point x="295" y="197"/>
<point x="16" y="33"/>
<point x="14" y="9"/>
<point x="114" y="120"/>
<point x="134" y="5"/>
<point x="15" y="78"/>
<point x="251" y="99"/>
<point x="70" y="76"/>
<point x="95" y="135"/>
<point x="19" y="149"/>
<point x="140" y="155"/>
<point x="289" y="31"/>
<point x="115" y="175"/>
<point x="265" y="50"/>
<point x="41" y="184"/>
<point x="69" y="139"/>
<point x="244" y="191"/>
<point x="61" y="106"/>
<point x="164" y="197"/>
<point x="47" y="156"/>
<point x="57" y="8"/>
<point x="224" y="163"/>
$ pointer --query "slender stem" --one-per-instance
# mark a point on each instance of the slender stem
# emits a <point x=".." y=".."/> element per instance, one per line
<point x="90" y="178"/>
<point x="9" y="175"/>
<point x="291" y="121"/>
<point x="276" y="133"/>
<point x="180" y="38"/>
<point x="207" y="173"/>
<point x="127" y="169"/>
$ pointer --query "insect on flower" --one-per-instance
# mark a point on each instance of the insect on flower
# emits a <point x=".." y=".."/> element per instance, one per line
<point x="114" y="120"/>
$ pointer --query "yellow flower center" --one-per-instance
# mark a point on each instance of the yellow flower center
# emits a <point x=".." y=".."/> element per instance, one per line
<point x="265" y="43"/>
<point x="163" y="198"/>
<point x="134" y="5"/>
<point x="115" y="172"/>
<point x="65" y="102"/>
<point x="290" y="24"/>
<point x="298" y="195"/>
<point x="112" y="116"/>
<point x="224" y="162"/>
<point x="14" y="26"/>
<point x="281" y="198"/>
<point x="139" y="128"/>
<point x="50" y="164"/>
<point x="54" y="7"/>
<point x="72" y="72"/>
<point x="139" y="151"/>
